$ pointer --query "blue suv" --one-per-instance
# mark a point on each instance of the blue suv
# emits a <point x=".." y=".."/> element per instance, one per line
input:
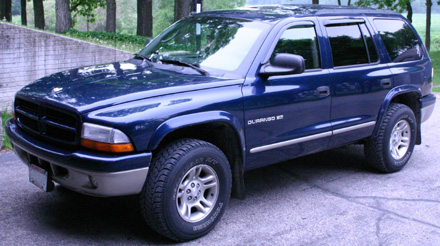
<point x="220" y="93"/>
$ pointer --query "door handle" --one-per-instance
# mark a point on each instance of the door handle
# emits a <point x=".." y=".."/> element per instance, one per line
<point x="385" y="83"/>
<point x="323" y="91"/>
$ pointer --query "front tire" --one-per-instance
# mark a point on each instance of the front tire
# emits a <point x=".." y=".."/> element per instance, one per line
<point x="394" y="144"/>
<point x="187" y="189"/>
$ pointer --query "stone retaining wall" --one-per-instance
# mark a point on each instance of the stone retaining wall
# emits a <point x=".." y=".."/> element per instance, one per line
<point x="27" y="54"/>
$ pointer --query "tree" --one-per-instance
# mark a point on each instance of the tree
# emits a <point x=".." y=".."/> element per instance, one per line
<point x="63" y="16"/>
<point x="396" y="5"/>
<point x="6" y="10"/>
<point x="110" y="22"/>
<point x="144" y="18"/>
<point x="23" y="13"/>
<point x="39" y="14"/>
<point x="428" y="25"/>
<point x="182" y="8"/>
<point x="315" y="1"/>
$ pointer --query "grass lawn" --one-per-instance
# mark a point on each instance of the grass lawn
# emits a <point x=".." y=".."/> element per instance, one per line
<point x="130" y="43"/>
<point x="419" y="24"/>
<point x="6" y="141"/>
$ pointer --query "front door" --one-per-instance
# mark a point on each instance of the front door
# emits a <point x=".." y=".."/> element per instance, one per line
<point x="288" y="116"/>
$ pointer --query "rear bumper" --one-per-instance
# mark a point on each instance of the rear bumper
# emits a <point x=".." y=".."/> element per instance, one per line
<point x="86" y="172"/>
<point x="427" y="104"/>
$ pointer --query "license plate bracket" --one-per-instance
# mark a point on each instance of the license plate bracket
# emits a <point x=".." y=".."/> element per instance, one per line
<point x="39" y="177"/>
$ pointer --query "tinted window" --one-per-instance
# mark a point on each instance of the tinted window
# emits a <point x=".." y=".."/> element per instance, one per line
<point x="300" y="40"/>
<point x="400" y="41"/>
<point x="372" y="52"/>
<point x="348" y="47"/>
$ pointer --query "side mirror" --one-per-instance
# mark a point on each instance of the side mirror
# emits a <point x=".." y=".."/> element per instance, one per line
<point x="283" y="64"/>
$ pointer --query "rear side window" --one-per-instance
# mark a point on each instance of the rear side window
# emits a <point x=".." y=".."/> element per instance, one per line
<point x="348" y="46"/>
<point x="300" y="40"/>
<point x="400" y="41"/>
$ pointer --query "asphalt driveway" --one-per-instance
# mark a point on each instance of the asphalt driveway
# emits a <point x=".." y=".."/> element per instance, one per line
<point x="331" y="198"/>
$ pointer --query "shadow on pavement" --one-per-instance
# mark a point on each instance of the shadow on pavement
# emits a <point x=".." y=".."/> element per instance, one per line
<point x="119" y="219"/>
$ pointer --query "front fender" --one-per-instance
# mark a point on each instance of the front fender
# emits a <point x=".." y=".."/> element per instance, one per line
<point x="196" y="119"/>
<point x="393" y="93"/>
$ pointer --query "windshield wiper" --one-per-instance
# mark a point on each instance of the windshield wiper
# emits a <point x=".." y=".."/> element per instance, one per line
<point x="148" y="60"/>
<point x="185" y="64"/>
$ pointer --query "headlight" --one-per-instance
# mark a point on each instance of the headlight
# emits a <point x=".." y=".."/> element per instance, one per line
<point x="105" y="139"/>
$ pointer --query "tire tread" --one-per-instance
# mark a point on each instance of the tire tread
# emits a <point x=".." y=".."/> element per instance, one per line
<point x="374" y="146"/>
<point x="152" y="196"/>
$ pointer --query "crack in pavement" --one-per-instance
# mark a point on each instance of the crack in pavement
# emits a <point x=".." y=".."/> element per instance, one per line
<point x="378" y="221"/>
<point x="395" y="199"/>
<point x="352" y="200"/>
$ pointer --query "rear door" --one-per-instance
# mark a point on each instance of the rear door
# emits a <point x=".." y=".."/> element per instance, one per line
<point x="359" y="80"/>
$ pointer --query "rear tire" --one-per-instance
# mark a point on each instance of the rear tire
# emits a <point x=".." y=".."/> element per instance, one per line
<point x="394" y="144"/>
<point x="187" y="189"/>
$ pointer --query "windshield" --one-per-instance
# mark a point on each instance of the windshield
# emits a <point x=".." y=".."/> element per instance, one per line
<point x="217" y="45"/>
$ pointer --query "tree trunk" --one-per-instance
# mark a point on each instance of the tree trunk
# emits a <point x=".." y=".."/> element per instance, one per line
<point x="5" y="10"/>
<point x="23" y="13"/>
<point x="63" y="15"/>
<point x="409" y="10"/>
<point x="349" y="3"/>
<point x="39" y="14"/>
<point x="145" y="18"/>
<point x="110" y="21"/>
<point x="428" y="25"/>
<point x="182" y="8"/>
<point x="339" y="2"/>
<point x="2" y="9"/>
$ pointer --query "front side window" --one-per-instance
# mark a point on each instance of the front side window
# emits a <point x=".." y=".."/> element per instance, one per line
<point x="400" y="41"/>
<point x="348" y="46"/>
<point x="300" y="40"/>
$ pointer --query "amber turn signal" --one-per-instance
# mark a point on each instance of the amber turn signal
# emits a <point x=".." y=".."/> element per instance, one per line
<point x="114" y="148"/>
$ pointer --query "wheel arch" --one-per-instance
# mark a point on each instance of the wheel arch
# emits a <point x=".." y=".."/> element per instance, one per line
<point x="408" y="95"/>
<point x="220" y="128"/>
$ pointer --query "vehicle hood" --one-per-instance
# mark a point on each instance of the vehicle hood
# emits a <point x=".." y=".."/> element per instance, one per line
<point x="93" y="87"/>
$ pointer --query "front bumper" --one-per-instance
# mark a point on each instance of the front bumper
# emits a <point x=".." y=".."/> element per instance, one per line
<point x="83" y="171"/>
<point x="427" y="104"/>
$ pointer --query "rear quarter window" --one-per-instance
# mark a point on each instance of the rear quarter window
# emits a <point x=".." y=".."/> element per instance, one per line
<point x="400" y="41"/>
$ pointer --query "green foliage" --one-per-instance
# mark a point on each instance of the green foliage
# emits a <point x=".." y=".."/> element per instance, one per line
<point x="163" y="15"/>
<point x="6" y="141"/>
<point x="222" y="4"/>
<point x="131" y="43"/>
<point x="163" y="11"/>
<point x="86" y="8"/>
<point x="419" y="22"/>
<point x="15" y="7"/>
<point x="435" y="58"/>
<point x="396" y="5"/>
<point x="126" y="18"/>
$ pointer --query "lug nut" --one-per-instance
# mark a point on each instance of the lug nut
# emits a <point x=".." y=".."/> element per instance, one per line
<point x="198" y="185"/>
<point x="190" y="197"/>
<point x="192" y="185"/>
<point x="188" y="191"/>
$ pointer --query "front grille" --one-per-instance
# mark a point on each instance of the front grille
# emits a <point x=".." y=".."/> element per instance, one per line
<point x="47" y="123"/>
